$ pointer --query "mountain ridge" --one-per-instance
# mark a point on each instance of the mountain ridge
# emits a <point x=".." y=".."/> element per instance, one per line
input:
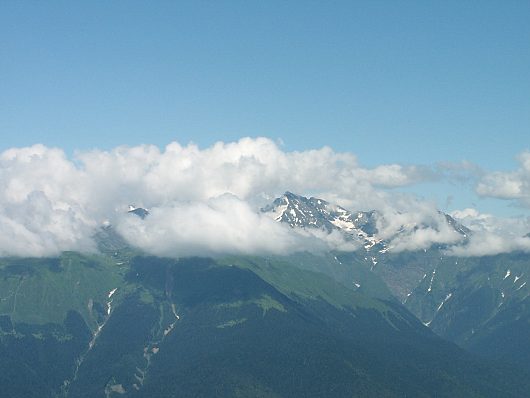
<point x="362" y="226"/>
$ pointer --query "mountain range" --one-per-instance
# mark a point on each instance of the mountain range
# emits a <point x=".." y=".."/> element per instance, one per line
<point x="371" y="322"/>
<point x="481" y="303"/>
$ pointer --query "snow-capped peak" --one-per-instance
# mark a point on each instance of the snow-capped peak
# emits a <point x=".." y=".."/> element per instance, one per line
<point x="299" y="211"/>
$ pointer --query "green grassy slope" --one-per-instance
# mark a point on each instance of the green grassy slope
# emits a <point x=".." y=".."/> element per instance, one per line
<point x="240" y="326"/>
<point x="483" y="304"/>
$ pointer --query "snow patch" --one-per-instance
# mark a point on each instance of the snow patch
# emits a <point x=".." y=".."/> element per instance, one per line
<point x="432" y="279"/>
<point x="444" y="301"/>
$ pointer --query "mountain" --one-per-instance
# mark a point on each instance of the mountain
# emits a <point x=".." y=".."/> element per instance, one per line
<point x="301" y="212"/>
<point x="401" y="271"/>
<point x="116" y="325"/>
<point x="362" y="226"/>
<point x="336" y="324"/>
<point x="483" y="304"/>
<point x="480" y="303"/>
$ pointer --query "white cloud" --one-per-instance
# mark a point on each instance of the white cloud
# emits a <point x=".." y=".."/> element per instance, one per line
<point x="224" y="224"/>
<point x="220" y="225"/>
<point x="206" y="200"/>
<point x="492" y="235"/>
<point x="49" y="203"/>
<point x="513" y="185"/>
<point x="472" y="218"/>
<point x="487" y="244"/>
<point x="41" y="206"/>
<point x="417" y="226"/>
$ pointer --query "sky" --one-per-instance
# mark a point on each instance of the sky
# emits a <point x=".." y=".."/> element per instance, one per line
<point x="435" y="90"/>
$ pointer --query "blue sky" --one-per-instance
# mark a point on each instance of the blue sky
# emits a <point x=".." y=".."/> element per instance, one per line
<point x="392" y="82"/>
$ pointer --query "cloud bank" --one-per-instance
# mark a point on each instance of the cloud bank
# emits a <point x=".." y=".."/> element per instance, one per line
<point x="492" y="235"/>
<point x="221" y="225"/>
<point x="513" y="185"/>
<point x="49" y="203"/>
<point x="417" y="227"/>
<point x="204" y="201"/>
